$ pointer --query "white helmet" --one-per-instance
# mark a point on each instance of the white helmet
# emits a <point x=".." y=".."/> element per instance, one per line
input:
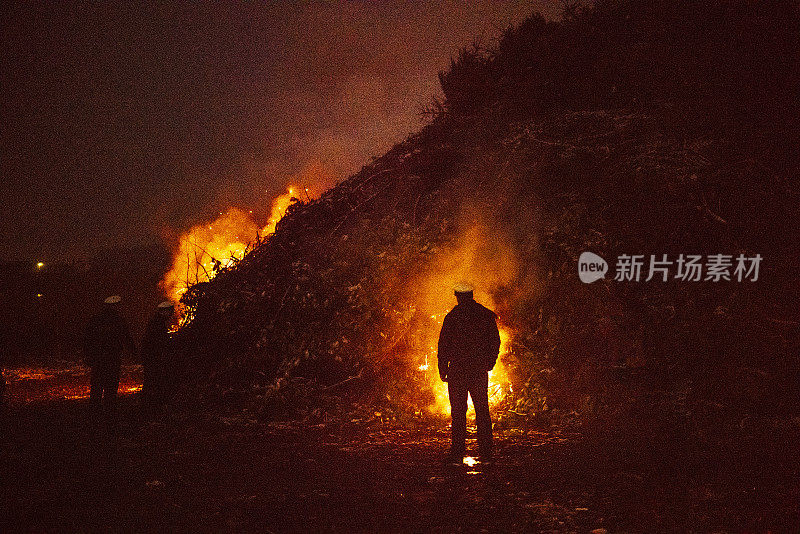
<point x="463" y="288"/>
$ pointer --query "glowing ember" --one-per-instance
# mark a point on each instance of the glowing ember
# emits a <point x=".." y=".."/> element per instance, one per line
<point x="70" y="381"/>
<point x="30" y="374"/>
<point x="424" y="366"/>
<point x="123" y="390"/>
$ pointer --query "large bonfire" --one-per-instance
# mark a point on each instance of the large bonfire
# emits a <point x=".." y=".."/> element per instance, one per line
<point x="520" y="171"/>
<point x="208" y="249"/>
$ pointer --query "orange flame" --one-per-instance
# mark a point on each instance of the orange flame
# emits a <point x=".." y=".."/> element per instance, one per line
<point x="499" y="384"/>
<point x="207" y="248"/>
<point x="481" y="256"/>
<point x="279" y="207"/>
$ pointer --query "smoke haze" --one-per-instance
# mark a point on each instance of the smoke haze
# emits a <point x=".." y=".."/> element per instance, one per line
<point x="123" y="125"/>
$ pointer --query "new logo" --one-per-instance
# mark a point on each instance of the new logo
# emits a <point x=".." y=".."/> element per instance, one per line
<point x="591" y="267"/>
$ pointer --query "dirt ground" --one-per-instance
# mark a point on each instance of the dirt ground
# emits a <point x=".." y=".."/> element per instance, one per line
<point x="201" y="472"/>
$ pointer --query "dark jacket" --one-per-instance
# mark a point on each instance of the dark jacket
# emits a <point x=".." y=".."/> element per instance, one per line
<point x="106" y="336"/>
<point x="157" y="340"/>
<point x="469" y="341"/>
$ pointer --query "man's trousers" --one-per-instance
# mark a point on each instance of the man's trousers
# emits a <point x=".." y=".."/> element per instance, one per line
<point x="476" y="384"/>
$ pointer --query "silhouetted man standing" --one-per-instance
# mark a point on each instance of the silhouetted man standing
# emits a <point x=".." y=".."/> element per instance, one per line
<point x="468" y="347"/>
<point x="106" y="337"/>
<point x="156" y="353"/>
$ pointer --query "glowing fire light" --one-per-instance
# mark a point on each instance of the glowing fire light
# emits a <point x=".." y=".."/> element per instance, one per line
<point x="424" y="366"/>
<point x="126" y="390"/>
<point x="207" y="248"/>
<point x="279" y="207"/>
<point x="469" y="461"/>
<point x="71" y="382"/>
<point x="30" y="374"/>
<point x="203" y="250"/>
<point x="39" y="265"/>
<point x="481" y="255"/>
<point x="499" y="384"/>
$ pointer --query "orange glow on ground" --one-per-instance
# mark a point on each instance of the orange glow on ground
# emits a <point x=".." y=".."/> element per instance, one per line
<point x="71" y="382"/>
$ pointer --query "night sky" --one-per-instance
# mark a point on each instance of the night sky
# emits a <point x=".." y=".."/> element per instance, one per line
<point x="125" y="125"/>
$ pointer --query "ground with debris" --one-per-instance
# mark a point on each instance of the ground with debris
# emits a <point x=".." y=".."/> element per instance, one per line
<point x="165" y="472"/>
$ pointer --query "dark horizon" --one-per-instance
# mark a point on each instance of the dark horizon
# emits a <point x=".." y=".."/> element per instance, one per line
<point x="125" y="126"/>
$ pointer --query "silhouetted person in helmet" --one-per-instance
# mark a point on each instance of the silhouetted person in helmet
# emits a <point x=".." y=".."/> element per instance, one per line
<point x="468" y="347"/>
<point x="156" y="354"/>
<point x="105" y="338"/>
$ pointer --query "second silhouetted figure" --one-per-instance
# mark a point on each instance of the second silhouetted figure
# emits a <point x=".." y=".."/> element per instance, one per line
<point x="106" y="337"/>
<point x="157" y="354"/>
<point x="468" y="347"/>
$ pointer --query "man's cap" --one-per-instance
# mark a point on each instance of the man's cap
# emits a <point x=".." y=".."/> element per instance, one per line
<point x="166" y="304"/>
<point x="462" y="288"/>
<point x="113" y="299"/>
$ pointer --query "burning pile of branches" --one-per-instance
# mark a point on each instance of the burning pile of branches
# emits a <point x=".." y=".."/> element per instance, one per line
<point x="349" y="292"/>
<point x="514" y="178"/>
<point x="207" y="249"/>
